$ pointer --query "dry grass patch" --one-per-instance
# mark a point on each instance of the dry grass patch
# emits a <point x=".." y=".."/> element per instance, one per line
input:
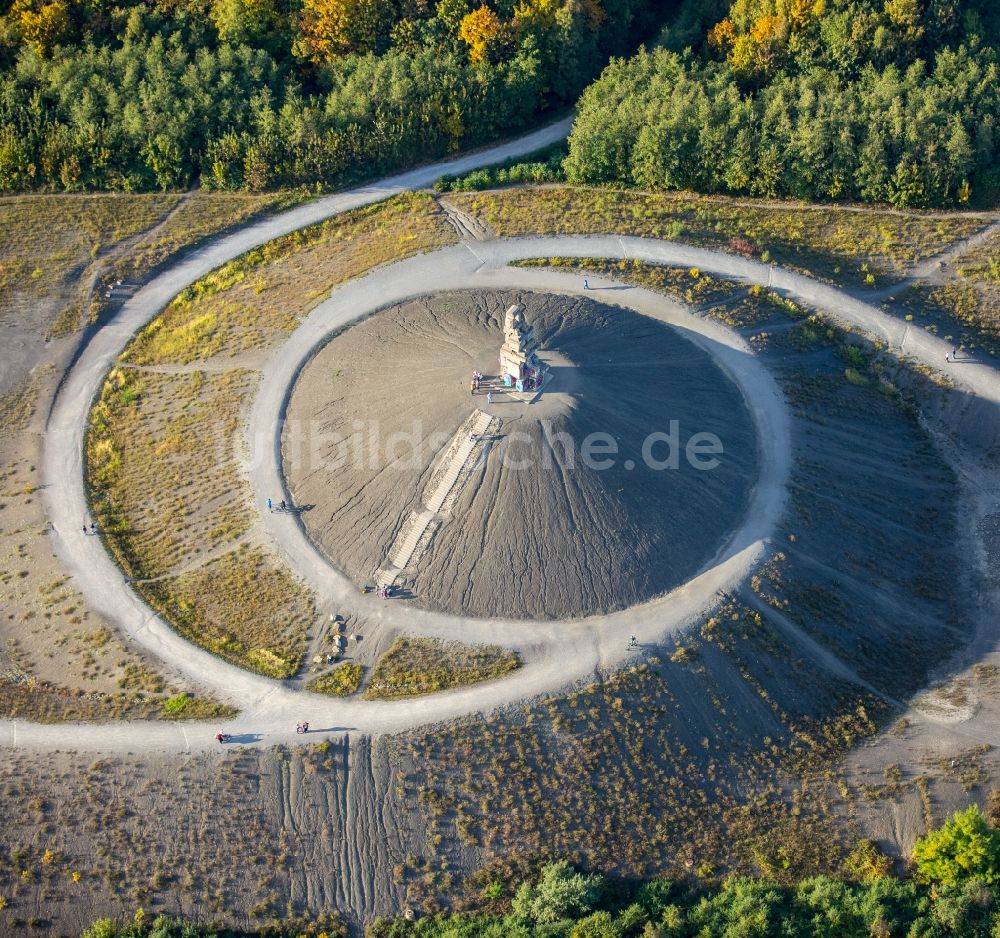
<point x="162" y="467"/>
<point x="113" y="684"/>
<point x="689" y="285"/>
<point x="185" y="706"/>
<point x="728" y="301"/>
<point x="201" y="215"/>
<point x="621" y="775"/>
<point x="834" y="243"/>
<point x="47" y="241"/>
<point x="107" y="836"/>
<point x="53" y="246"/>
<point x="17" y="407"/>
<point x="966" y="768"/>
<point x="983" y="263"/>
<point x="962" y="312"/>
<point x="244" y="607"/>
<point x="974" y="301"/>
<point x="415" y="666"/>
<point x="262" y="295"/>
<point x="58" y="660"/>
<point x="42" y="702"/>
<point x="341" y="681"/>
<point x="57" y="255"/>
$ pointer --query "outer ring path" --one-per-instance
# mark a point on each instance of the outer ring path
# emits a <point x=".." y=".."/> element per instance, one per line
<point x="554" y="656"/>
<point x="555" y="653"/>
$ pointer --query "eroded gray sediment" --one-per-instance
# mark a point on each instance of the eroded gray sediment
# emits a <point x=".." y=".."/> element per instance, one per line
<point x="557" y="538"/>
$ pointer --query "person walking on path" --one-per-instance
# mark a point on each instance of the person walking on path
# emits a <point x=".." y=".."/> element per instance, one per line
<point x="586" y="284"/>
<point x="270" y="506"/>
<point x="489" y="397"/>
<point x="284" y="507"/>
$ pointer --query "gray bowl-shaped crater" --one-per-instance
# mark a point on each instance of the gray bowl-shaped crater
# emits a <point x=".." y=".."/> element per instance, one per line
<point x="620" y="482"/>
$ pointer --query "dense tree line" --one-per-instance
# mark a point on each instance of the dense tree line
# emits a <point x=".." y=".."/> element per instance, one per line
<point x="875" y="100"/>
<point x="269" y="93"/>
<point x="952" y="894"/>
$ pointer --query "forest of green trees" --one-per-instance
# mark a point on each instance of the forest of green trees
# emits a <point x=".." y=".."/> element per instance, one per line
<point x="874" y="100"/>
<point x="260" y="94"/>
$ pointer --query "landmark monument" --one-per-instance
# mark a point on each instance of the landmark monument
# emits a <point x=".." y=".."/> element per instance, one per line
<point x="520" y="366"/>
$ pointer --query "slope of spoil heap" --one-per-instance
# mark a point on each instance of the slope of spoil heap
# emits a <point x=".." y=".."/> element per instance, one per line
<point x="560" y="503"/>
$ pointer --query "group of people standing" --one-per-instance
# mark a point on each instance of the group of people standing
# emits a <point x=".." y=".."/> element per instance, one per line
<point x="383" y="592"/>
<point x="476" y="386"/>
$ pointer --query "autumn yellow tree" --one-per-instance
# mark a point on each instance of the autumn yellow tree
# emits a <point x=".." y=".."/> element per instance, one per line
<point x="536" y="14"/>
<point x="799" y="14"/>
<point x="722" y="36"/>
<point x="328" y="28"/>
<point x="906" y="19"/>
<point x="755" y="35"/>
<point x="42" y="25"/>
<point x="769" y="36"/>
<point x="803" y="13"/>
<point x="478" y="30"/>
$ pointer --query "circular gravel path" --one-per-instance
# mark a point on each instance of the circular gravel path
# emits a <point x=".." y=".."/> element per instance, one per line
<point x="555" y="653"/>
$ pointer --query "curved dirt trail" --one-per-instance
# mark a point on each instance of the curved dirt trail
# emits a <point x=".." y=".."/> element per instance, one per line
<point x="929" y="270"/>
<point x="555" y="653"/>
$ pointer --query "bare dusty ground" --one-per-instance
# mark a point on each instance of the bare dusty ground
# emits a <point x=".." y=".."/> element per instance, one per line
<point x="726" y="753"/>
<point x="647" y="771"/>
<point x="943" y="750"/>
<point x="540" y="529"/>
<point x="251" y="837"/>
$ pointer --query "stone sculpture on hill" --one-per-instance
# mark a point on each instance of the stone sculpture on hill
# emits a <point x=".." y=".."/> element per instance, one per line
<point x="519" y="363"/>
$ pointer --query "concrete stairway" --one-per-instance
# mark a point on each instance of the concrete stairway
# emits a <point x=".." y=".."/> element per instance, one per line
<point x="408" y="538"/>
<point x="456" y="462"/>
<point x="456" y="455"/>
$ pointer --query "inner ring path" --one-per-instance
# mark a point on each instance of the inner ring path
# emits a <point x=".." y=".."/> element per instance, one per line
<point x="586" y="643"/>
